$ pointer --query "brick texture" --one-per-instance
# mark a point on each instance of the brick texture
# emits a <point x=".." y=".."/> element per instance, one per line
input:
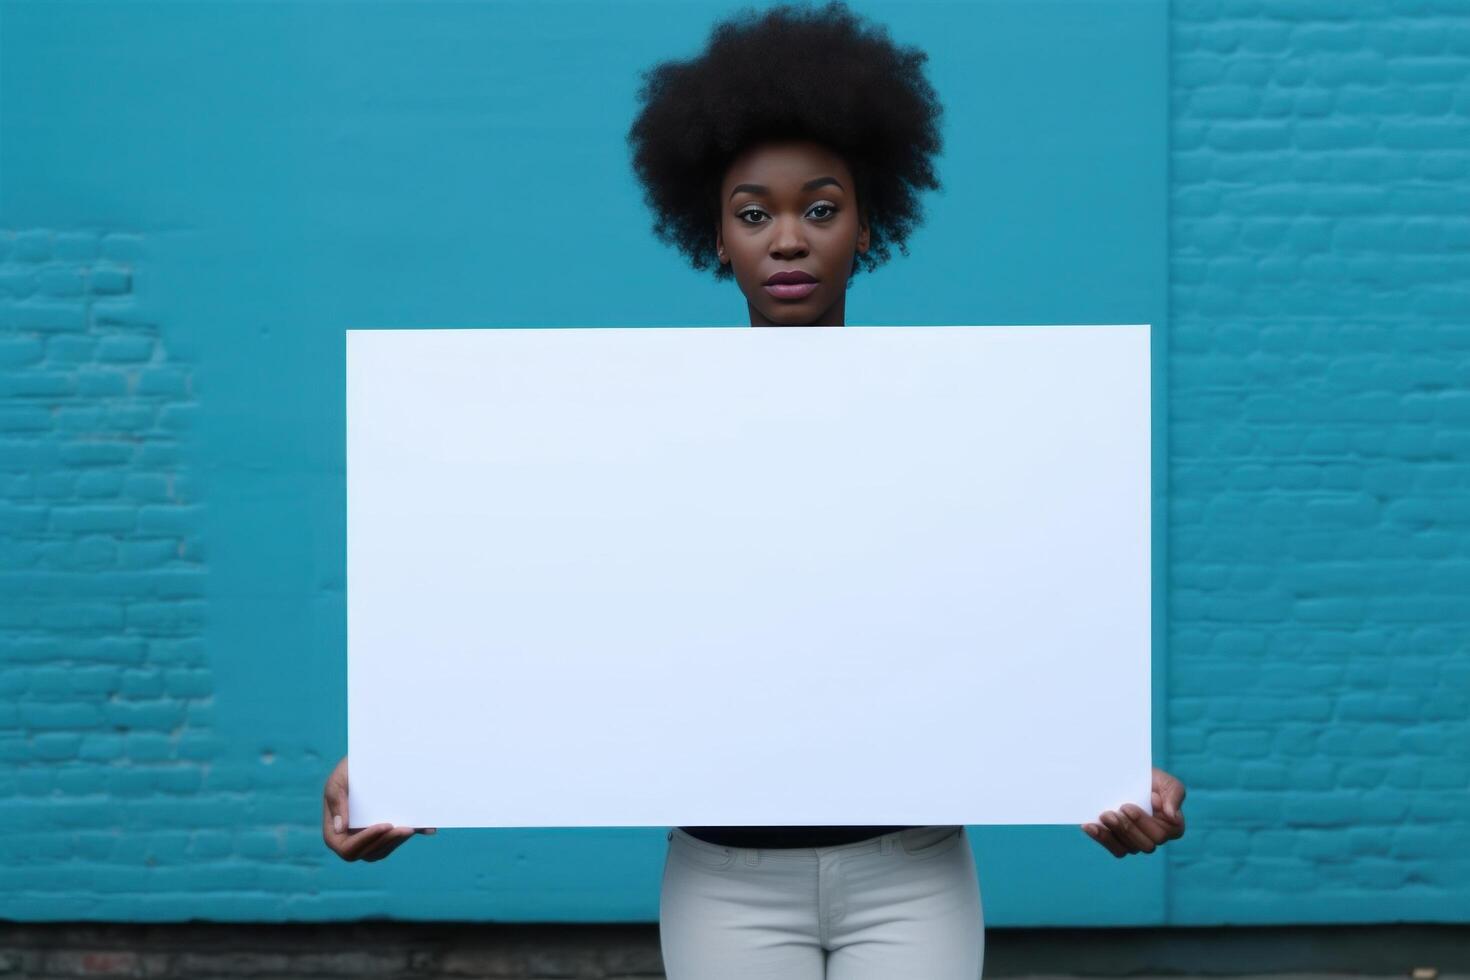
<point x="105" y="689"/>
<point x="1319" y="522"/>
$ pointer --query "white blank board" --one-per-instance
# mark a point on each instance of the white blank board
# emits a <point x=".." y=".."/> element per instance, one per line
<point x="723" y="576"/>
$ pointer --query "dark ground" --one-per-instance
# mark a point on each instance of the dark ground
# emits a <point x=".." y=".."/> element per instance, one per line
<point x="428" y="951"/>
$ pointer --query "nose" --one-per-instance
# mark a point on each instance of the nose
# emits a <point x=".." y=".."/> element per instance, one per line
<point x="787" y="240"/>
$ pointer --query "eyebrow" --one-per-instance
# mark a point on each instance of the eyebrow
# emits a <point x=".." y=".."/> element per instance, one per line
<point x="810" y="185"/>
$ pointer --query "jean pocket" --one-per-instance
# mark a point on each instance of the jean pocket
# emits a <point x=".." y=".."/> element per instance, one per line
<point x="926" y="842"/>
<point x="703" y="853"/>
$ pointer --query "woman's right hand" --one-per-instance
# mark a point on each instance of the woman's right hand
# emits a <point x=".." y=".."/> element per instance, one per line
<point x="367" y="844"/>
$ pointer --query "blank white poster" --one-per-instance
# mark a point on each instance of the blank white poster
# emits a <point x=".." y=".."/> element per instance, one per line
<point x="723" y="576"/>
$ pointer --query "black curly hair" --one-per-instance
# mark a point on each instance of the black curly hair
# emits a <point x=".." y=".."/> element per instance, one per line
<point x="789" y="72"/>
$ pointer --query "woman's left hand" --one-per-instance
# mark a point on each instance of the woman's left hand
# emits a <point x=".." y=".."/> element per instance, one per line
<point x="1129" y="830"/>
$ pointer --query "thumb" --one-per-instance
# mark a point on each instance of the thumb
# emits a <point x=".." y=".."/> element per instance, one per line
<point x="1167" y="788"/>
<point x="337" y="796"/>
<point x="1171" y="806"/>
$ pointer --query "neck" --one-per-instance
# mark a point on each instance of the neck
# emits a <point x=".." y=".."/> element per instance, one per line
<point x="833" y="316"/>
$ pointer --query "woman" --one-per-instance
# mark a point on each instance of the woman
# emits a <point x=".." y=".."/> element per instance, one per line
<point x="789" y="156"/>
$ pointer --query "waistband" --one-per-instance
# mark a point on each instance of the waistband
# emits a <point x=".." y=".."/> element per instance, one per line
<point x="880" y="844"/>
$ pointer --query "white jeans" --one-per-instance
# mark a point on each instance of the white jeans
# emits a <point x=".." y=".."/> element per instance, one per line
<point x="903" y="906"/>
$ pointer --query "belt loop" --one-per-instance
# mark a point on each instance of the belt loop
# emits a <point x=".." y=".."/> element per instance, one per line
<point x="886" y="844"/>
<point x="752" y="857"/>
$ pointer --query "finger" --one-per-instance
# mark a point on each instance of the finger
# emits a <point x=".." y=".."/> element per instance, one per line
<point x="1133" y="833"/>
<point x="1102" y="835"/>
<point x="1128" y="834"/>
<point x="1174" y="799"/>
<point x="1112" y="827"/>
<point x="1170" y="790"/>
<point x="1105" y="837"/>
<point x="1153" y="829"/>
<point x="1094" y="831"/>
<point x="365" y="840"/>
<point x="390" y="843"/>
<point x="1175" y="826"/>
<point x="335" y="795"/>
<point x="333" y="827"/>
<point x="426" y="830"/>
<point x="337" y="804"/>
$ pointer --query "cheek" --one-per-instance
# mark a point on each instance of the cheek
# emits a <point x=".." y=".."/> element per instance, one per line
<point x="743" y="259"/>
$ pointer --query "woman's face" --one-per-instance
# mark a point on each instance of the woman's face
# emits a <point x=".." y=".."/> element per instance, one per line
<point x="790" y="207"/>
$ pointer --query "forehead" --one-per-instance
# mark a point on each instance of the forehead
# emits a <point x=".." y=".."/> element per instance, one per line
<point x="784" y="166"/>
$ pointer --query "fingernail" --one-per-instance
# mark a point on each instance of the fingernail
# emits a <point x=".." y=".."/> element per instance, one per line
<point x="1091" y="830"/>
<point x="337" y="822"/>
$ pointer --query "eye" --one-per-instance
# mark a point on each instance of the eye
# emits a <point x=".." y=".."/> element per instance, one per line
<point x="753" y="215"/>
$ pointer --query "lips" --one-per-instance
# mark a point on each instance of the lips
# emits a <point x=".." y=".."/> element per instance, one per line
<point x="789" y="277"/>
<point x="790" y="284"/>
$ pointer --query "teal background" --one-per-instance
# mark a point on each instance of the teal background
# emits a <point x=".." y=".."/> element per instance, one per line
<point x="199" y="198"/>
<point x="297" y="169"/>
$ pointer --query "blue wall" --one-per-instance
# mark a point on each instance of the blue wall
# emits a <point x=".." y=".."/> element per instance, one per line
<point x="200" y="198"/>
<point x="1319" y="401"/>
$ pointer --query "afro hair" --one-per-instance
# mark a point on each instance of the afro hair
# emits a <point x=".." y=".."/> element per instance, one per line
<point x="789" y="72"/>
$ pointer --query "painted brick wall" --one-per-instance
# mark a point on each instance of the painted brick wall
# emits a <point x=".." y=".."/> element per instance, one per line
<point x="105" y="697"/>
<point x="1320" y="459"/>
<point x="1319" y="518"/>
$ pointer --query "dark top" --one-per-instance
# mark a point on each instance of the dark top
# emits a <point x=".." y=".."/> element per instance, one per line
<point x="786" y="836"/>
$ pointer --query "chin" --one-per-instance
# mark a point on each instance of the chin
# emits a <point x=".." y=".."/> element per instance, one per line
<point x="793" y="316"/>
